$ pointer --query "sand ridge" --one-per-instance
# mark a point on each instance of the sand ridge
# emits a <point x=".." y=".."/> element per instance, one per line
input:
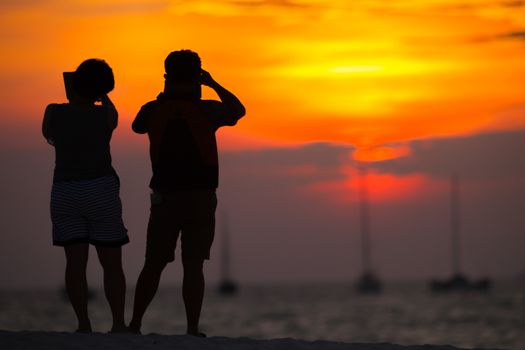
<point x="74" y="341"/>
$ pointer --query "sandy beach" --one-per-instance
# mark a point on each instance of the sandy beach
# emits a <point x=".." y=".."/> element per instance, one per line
<point x="73" y="341"/>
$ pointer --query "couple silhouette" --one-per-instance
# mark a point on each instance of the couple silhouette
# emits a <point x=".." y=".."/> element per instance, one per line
<point x="85" y="203"/>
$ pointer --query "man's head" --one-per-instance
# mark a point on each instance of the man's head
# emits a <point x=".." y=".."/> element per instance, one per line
<point x="182" y="67"/>
<point x="93" y="79"/>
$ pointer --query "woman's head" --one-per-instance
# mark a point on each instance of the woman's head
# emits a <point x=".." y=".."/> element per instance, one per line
<point x="93" y="79"/>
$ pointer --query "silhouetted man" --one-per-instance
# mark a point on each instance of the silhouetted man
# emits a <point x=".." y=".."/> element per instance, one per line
<point x="183" y="150"/>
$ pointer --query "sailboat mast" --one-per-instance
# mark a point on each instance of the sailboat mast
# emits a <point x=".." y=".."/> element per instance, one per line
<point x="225" y="266"/>
<point x="364" y="218"/>
<point x="455" y="223"/>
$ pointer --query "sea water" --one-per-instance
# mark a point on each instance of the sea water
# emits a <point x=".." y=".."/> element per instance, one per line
<point x="405" y="313"/>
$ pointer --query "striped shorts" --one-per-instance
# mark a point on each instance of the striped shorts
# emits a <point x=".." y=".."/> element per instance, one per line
<point x="88" y="211"/>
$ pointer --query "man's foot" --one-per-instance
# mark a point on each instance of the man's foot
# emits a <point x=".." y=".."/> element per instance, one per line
<point x="197" y="334"/>
<point x="84" y="326"/>
<point x="133" y="328"/>
<point x="121" y="329"/>
<point x="84" y="330"/>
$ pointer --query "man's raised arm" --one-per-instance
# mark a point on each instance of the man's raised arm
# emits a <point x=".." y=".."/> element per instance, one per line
<point x="233" y="107"/>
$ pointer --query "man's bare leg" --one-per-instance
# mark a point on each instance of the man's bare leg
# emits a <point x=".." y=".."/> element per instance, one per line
<point x="193" y="293"/>
<point x="146" y="288"/>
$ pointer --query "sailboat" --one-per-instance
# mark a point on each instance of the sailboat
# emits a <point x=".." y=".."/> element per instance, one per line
<point x="368" y="282"/>
<point x="458" y="281"/>
<point x="227" y="285"/>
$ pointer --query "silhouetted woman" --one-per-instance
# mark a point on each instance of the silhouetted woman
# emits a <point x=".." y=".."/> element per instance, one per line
<point x="85" y="203"/>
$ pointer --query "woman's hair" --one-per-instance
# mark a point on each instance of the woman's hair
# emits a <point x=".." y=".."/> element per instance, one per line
<point x="93" y="79"/>
<point x="183" y="66"/>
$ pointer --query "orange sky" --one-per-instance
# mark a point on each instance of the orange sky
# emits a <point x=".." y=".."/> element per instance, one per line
<point x="362" y="72"/>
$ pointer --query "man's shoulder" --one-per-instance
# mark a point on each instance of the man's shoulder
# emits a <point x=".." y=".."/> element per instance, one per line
<point x="210" y="103"/>
<point x="150" y="104"/>
<point x="57" y="110"/>
<point x="211" y="107"/>
<point x="148" y="108"/>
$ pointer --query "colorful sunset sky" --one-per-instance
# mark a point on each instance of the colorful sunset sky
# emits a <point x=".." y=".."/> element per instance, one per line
<point x="415" y="89"/>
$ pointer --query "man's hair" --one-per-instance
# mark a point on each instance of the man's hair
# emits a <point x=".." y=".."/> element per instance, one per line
<point x="93" y="79"/>
<point x="183" y="66"/>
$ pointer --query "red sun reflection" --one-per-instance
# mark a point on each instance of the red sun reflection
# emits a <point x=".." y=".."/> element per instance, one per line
<point x="380" y="153"/>
<point x="381" y="187"/>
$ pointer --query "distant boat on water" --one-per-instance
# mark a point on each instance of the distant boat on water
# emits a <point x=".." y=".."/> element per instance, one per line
<point x="227" y="285"/>
<point x="458" y="281"/>
<point x="368" y="282"/>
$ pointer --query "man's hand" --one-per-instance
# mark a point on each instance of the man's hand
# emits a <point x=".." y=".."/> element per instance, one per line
<point x="207" y="80"/>
<point x="235" y="109"/>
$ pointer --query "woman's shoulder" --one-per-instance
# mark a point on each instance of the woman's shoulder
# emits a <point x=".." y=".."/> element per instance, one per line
<point x="64" y="108"/>
<point x="57" y="107"/>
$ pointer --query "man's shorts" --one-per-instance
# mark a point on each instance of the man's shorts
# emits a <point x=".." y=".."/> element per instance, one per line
<point x="188" y="212"/>
<point x="88" y="211"/>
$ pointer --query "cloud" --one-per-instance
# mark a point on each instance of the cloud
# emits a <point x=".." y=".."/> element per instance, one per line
<point x="238" y="7"/>
<point x="520" y="35"/>
<point x="291" y="166"/>
<point x="88" y="8"/>
<point x="275" y="3"/>
<point x="516" y="3"/>
<point x="514" y="35"/>
<point x="283" y="11"/>
<point x="485" y="156"/>
<point x="267" y="196"/>
<point x="490" y="157"/>
<point x="13" y="4"/>
<point x="279" y="230"/>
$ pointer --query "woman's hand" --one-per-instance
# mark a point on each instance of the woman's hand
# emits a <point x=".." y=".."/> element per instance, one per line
<point x="112" y="111"/>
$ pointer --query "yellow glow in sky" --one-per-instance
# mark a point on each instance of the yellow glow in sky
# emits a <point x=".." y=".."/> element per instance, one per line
<point x="360" y="72"/>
